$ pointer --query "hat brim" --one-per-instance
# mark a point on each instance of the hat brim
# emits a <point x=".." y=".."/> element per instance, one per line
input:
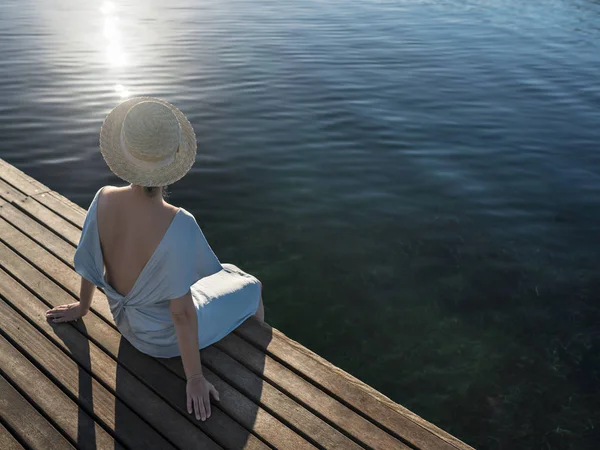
<point x="110" y="147"/>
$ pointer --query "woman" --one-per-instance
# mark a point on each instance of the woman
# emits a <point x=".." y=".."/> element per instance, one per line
<point x="167" y="291"/>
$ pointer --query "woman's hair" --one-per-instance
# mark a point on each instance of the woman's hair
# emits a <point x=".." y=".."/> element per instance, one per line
<point x="152" y="191"/>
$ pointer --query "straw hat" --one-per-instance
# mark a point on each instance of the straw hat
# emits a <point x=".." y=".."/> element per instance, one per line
<point x="147" y="141"/>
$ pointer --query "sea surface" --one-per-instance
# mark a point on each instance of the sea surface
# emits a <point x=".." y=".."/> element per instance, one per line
<point x="415" y="182"/>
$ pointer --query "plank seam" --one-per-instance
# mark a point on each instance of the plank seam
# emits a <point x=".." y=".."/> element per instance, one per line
<point x="233" y="387"/>
<point x="36" y="240"/>
<point x="10" y="429"/>
<point x="273" y="413"/>
<point x="80" y="367"/>
<point x="24" y="211"/>
<point x="24" y="177"/>
<point x="36" y="407"/>
<point x="58" y="213"/>
<point x="327" y="392"/>
<point x="444" y="436"/>
<point x="292" y="396"/>
<point x="59" y="385"/>
<point x="64" y="288"/>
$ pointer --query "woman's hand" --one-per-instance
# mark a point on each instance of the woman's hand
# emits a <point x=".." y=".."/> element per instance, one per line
<point x="198" y="390"/>
<point x="66" y="313"/>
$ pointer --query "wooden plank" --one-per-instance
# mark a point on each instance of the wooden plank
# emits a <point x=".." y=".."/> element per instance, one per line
<point x="33" y="429"/>
<point x="61" y="206"/>
<point x="74" y="206"/>
<point x="50" y="219"/>
<point x="19" y="179"/>
<point x="73" y="420"/>
<point x="95" y="399"/>
<point x="275" y="400"/>
<point x="120" y="382"/>
<point x="50" y="216"/>
<point x="310" y="396"/>
<point x="247" y="412"/>
<point x="37" y="232"/>
<point x="10" y="194"/>
<point x="356" y="394"/>
<point x="220" y="426"/>
<point x="43" y="194"/>
<point x="8" y="441"/>
<point x="65" y="413"/>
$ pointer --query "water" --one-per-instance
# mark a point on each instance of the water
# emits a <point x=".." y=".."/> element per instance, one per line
<point x="415" y="182"/>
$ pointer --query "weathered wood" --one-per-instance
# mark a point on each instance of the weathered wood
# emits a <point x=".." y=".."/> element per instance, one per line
<point x="53" y="267"/>
<point x="30" y="425"/>
<point x="275" y="400"/>
<point x="247" y="412"/>
<point x="10" y="194"/>
<point x="347" y="388"/>
<point x="19" y="179"/>
<point x="168" y="421"/>
<point x="95" y="399"/>
<point x="65" y="413"/>
<point x="37" y="232"/>
<point x="62" y="207"/>
<point x="8" y="441"/>
<point x="220" y="427"/>
<point x="43" y="194"/>
<point x="49" y="218"/>
<point x="308" y="395"/>
<point x="52" y="220"/>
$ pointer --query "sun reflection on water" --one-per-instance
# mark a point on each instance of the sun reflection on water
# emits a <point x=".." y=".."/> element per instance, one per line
<point x="122" y="91"/>
<point x="115" y="55"/>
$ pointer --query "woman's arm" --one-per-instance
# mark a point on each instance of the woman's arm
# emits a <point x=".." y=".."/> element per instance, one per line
<point x="183" y="313"/>
<point x="73" y="311"/>
<point x="86" y="294"/>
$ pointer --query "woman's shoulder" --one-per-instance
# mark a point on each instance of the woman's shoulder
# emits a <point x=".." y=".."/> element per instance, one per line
<point x="104" y="193"/>
<point x="107" y="192"/>
<point x="104" y="197"/>
<point x="188" y="219"/>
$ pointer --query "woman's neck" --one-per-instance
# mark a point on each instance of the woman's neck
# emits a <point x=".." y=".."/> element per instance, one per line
<point x="138" y="191"/>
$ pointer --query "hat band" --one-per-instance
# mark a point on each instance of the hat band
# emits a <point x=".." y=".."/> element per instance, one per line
<point x="147" y="163"/>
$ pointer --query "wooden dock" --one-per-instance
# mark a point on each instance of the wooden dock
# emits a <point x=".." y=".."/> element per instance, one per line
<point x="81" y="385"/>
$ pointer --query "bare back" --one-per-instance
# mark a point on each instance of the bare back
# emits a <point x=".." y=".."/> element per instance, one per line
<point x="131" y="225"/>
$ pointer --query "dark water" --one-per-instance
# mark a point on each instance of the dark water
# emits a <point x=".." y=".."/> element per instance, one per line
<point x="415" y="182"/>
